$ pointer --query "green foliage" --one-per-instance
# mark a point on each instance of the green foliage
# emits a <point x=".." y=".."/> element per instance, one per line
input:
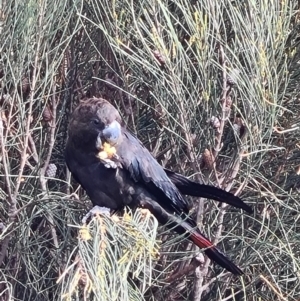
<point x="114" y="259"/>
<point x="210" y="87"/>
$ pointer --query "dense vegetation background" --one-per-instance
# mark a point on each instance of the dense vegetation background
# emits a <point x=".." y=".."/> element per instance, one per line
<point x="210" y="87"/>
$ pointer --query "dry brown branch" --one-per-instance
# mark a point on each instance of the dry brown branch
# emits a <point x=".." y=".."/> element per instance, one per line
<point x="273" y="288"/>
<point x="52" y="126"/>
<point x="35" y="73"/>
<point x="183" y="272"/>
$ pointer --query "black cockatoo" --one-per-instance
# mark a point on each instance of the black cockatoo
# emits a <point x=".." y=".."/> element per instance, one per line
<point x="116" y="170"/>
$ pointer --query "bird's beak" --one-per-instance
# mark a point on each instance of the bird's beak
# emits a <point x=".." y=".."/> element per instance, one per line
<point x="99" y="142"/>
<point x="112" y="133"/>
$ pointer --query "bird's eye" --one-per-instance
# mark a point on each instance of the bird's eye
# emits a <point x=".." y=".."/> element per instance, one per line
<point x="96" y="121"/>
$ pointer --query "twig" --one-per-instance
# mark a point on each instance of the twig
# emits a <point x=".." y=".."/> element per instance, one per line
<point x="183" y="272"/>
<point x="159" y="155"/>
<point x="5" y="164"/>
<point x="11" y="199"/>
<point x="200" y="273"/>
<point x="33" y="149"/>
<point x="13" y="195"/>
<point x="51" y="141"/>
<point x="31" y="101"/>
<point x="43" y="181"/>
<point x="273" y="288"/>
<point x="225" y="90"/>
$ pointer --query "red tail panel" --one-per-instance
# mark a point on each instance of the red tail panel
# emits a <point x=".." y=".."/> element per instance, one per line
<point x="214" y="254"/>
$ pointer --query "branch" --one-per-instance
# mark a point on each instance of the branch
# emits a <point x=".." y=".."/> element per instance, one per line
<point x="12" y="196"/>
<point x="202" y="272"/>
<point x="43" y="170"/>
<point x="11" y="199"/>
<point x="51" y="141"/>
<point x="185" y="271"/>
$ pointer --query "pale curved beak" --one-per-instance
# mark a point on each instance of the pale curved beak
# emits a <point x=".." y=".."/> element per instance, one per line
<point x="99" y="142"/>
<point x="112" y="133"/>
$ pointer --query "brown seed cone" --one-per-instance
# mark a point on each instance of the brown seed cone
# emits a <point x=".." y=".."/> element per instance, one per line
<point x="208" y="159"/>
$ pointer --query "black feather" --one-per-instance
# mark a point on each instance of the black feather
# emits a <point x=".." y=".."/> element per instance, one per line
<point x="192" y="188"/>
<point x="138" y="179"/>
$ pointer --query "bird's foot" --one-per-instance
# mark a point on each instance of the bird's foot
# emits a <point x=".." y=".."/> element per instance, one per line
<point x="109" y="163"/>
<point x="96" y="210"/>
<point x="116" y="156"/>
<point x="145" y="212"/>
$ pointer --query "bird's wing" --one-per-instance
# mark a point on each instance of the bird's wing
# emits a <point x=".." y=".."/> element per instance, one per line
<point x="188" y="187"/>
<point x="143" y="168"/>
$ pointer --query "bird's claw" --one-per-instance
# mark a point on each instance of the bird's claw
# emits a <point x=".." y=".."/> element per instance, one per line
<point x="116" y="156"/>
<point x="94" y="211"/>
<point x="109" y="163"/>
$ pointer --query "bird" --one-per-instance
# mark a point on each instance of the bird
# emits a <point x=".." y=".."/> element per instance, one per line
<point x="116" y="170"/>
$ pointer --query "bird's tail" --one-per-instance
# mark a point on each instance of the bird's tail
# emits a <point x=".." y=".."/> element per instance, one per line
<point x="211" y="251"/>
<point x="189" y="229"/>
<point x="188" y="187"/>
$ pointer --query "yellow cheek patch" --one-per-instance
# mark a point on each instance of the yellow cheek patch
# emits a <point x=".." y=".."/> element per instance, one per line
<point x="108" y="151"/>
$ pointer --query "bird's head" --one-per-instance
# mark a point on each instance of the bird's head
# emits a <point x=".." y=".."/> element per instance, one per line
<point x="94" y="122"/>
